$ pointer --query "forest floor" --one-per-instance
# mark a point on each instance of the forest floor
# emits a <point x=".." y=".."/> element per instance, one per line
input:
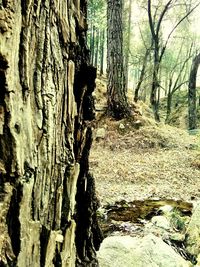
<point x="154" y="161"/>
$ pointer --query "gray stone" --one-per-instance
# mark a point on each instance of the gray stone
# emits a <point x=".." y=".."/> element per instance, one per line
<point x="151" y="228"/>
<point x="166" y="209"/>
<point x="161" y="221"/>
<point x="121" y="126"/>
<point x="149" y="251"/>
<point x="193" y="232"/>
<point x="194" y="131"/>
<point x="177" y="237"/>
<point x="100" y="133"/>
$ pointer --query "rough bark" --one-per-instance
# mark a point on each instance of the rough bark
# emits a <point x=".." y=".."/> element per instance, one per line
<point x="47" y="196"/>
<point x="192" y="98"/>
<point x="117" y="100"/>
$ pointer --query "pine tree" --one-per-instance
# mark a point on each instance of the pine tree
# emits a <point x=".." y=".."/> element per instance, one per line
<point x="117" y="100"/>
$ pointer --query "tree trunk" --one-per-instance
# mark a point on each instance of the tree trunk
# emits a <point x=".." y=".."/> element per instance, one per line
<point x="192" y="116"/>
<point x="102" y="52"/>
<point x="117" y="101"/>
<point x="169" y="101"/>
<point x="142" y="74"/>
<point x="97" y="49"/>
<point x="155" y="82"/>
<point x="92" y="44"/>
<point x="126" y="60"/>
<point x="47" y="198"/>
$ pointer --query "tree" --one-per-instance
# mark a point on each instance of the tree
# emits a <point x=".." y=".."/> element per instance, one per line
<point x="102" y="52"/>
<point x="192" y="116"/>
<point x="97" y="27"/>
<point x="117" y="100"/>
<point x="96" y="59"/>
<point x="47" y="197"/>
<point x="178" y="76"/>
<point x="155" y="23"/>
<point x="127" y="44"/>
<point x="145" y="57"/>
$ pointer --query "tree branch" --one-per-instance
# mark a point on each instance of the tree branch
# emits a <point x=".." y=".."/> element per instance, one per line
<point x="174" y="28"/>
<point x="162" y="16"/>
<point x="151" y="20"/>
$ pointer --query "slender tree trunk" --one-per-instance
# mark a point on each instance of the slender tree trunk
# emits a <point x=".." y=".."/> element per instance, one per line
<point x="142" y="74"/>
<point x="169" y="101"/>
<point x="102" y="52"/>
<point x="117" y="100"/>
<point x="91" y="42"/>
<point x="92" y="46"/>
<point x="166" y="83"/>
<point x="47" y="198"/>
<point x="192" y="116"/>
<point x="155" y="82"/>
<point x="96" y="59"/>
<point x="126" y="61"/>
<point x="169" y="106"/>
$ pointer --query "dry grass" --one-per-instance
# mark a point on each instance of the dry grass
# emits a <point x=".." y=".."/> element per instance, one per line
<point x="154" y="161"/>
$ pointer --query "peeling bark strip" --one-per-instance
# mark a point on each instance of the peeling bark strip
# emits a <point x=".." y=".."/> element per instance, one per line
<point x="47" y="197"/>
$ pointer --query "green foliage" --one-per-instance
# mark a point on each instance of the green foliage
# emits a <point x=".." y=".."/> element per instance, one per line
<point x="97" y="13"/>
<point x="177" y="220"/>
<point x="177" y="50"/>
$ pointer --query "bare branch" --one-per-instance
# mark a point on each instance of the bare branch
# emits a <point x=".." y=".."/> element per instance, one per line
<point x="174" y="28"/>
<point x="162" y="16"/>
<point x="176" y="88"/>
<point x="151" y="24"/>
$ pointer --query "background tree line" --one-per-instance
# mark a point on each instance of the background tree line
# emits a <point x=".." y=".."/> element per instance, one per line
<point x="159" y="45"/>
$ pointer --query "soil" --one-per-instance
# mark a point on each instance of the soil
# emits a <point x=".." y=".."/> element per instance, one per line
<point x="156" y="161"/>
<point x="144" y="169"/>
<point x="139" y="159"/>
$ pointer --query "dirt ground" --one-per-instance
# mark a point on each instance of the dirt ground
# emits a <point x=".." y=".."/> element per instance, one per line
<point x="156" y="161"/>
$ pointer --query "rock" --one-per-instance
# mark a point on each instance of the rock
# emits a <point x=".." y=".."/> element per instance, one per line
<point x="121" y="126"/>
<point x="194" y="131"/>
<point x="161" y="221"/>
<point x="198" y="261"/>
<point x="126" y="251"/>
<point x="177" y="237"/>
<point x="100" y="133"/>
<point x="138" y="124"/>
<point x="166" y="209"/>
<point x="193" y="233"/>
<point x="159" y="226"/>
<point x="151" y="228"/>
